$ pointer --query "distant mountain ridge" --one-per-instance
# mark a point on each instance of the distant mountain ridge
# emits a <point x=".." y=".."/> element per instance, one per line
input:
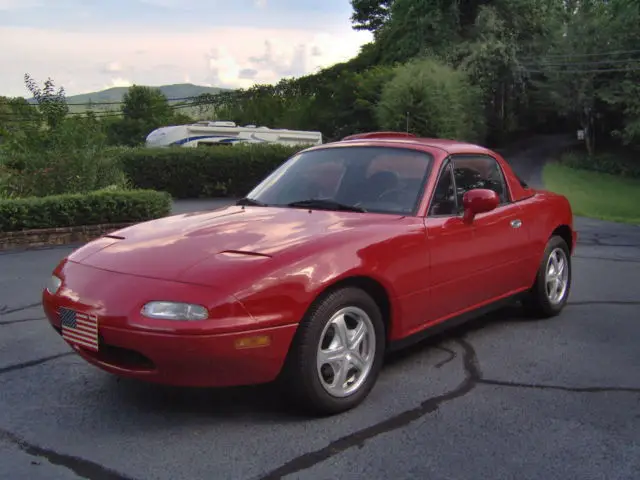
<point x="115" y="94"/>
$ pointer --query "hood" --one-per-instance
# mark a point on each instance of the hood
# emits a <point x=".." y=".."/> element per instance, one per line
<point x="167" y="247"/>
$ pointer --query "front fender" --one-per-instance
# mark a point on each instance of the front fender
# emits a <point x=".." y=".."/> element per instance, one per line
<point x="282" y="292"/>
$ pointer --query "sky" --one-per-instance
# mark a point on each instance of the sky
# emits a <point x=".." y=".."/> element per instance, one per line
<point x="90" y="45"/>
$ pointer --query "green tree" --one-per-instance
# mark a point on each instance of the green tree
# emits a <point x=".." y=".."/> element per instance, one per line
<point x="432" y="99"/>
<point x="491" y="61"/>
<point x="143" y="110"/>
<point x="370" y="14"/>
<point x="418" y="27"/>
<point x="570" y="75"/>
<point x="368" y="87"/>
<point x="620" y="89"/>
<point x="52" y="103"/>
<point x="145" y="104"/>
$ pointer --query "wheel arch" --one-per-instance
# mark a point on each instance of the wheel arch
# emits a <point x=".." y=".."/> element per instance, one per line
<point x="373" y="288"/>
<point x="564" y="232"/>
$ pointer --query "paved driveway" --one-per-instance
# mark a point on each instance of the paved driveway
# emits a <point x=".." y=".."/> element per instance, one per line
<point x="500" y="398"/>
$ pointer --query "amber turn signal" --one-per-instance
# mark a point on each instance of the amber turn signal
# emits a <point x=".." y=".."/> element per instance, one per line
<point x="253" y="342"/>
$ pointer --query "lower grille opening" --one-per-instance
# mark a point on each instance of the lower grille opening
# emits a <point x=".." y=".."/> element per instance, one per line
<point x="123" y="357"/>
<point x="118" y="356"/>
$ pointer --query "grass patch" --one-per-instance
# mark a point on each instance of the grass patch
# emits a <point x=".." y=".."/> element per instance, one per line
<point x="594" y="194"/>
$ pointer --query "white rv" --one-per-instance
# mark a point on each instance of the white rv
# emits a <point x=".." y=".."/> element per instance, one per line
<point x="209" y="134"/>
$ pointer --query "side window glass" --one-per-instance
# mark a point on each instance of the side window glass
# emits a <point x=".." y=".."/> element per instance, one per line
<point x="478" y="172"/>
<point x="444" y="196"/>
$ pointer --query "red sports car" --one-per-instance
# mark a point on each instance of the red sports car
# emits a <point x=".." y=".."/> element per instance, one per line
<point x="345" y="251"/>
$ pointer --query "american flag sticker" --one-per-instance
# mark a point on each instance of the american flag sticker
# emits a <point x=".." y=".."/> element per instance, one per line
<point x="79" y="328"/>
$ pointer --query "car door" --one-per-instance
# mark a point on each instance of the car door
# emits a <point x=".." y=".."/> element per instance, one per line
<point x="500" y="236"/>
<point x="472" y="263"/>
<point x="448" y="240"/>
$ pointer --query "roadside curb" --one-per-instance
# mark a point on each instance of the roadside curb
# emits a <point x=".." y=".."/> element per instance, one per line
<point x="46" y="237"/>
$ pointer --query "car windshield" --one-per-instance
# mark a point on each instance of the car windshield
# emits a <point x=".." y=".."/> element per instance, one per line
<point x="373" y="179"/>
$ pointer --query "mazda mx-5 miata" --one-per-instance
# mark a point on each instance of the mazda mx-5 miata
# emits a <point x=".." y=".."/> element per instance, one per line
<point x="345" y="251"/>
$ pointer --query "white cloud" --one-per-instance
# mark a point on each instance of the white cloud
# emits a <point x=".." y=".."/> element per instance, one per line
<point x="260" y="3"/>
<point x="226" y="56"/>
<point x="119" y="82"/>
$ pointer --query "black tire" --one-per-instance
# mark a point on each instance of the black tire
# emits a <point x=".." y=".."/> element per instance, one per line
<point x="536" y="301"/>
<point x="301" y="379"/>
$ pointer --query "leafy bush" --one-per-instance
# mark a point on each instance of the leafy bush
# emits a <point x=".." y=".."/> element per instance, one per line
<point x="620" y="163"/>
<point x="440" y="102"/>
<point x="70" y="158"/>
<point x="203" y="172"/>
<point x="69" y="210"/>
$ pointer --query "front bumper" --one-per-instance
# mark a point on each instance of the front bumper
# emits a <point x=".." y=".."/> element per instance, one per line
<point x="230" y="349"/>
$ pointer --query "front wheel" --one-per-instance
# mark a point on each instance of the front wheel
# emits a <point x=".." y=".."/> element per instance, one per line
<point x="550" y="292"/>
<point x="337" y="353"/>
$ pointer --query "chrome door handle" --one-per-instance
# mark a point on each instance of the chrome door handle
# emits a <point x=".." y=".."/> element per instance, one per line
<point x="516" y="223"/>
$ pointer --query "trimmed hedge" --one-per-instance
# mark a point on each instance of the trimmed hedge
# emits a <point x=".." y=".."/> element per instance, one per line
<point x="221" y="171"/>
<point x="71" y="210"/>
<point x="624" y="164"/>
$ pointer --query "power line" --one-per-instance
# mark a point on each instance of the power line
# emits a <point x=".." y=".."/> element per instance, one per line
<point x="597" y="70"/>
<point x="592" y="54"/>
<point x="121" y="102"/>
<point x="107" y="114"/>
<point x="566" y="64"/>
<point x="197" y="97"/>
<point x="119" y="113"/>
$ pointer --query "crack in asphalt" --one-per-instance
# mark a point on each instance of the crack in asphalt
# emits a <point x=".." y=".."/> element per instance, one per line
<point x="452" y="356"/>
<point x="6" y="310"/>
<point x="94" y="471"/>
<point x="473" y="377"/>
<point x="79" y="466"/>
<point x="308" y="460"/>
<point x="21" y="320"/>
<point x="537" y="386"/>
<point x="33" y="363"/>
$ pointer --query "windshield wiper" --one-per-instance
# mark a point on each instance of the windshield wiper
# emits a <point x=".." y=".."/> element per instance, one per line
<point x="250" y="201"/>
<point x="326" y="204"/>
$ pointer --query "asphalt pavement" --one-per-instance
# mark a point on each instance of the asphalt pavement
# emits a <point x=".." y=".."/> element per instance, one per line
<point x="499" y="398"/>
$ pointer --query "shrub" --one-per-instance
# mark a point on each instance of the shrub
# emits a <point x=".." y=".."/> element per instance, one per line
<point x="70" y="210"/>
<point x="439" y="100"/>
<point x="203" y="172"/>
<point x="72" y="158"/>
<point x="615" y="163"/>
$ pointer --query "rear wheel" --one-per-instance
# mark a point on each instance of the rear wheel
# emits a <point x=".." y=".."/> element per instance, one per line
<point x="337" y="353"/>
<point x="550" y="292"/>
